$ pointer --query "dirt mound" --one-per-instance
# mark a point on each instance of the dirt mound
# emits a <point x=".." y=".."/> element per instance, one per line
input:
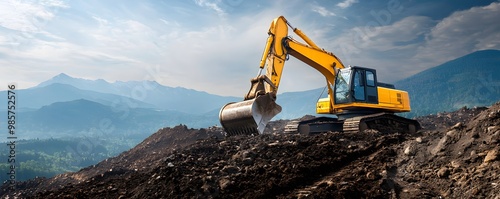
<point x="460" y="162"/>
<point x="262" y="167"/>
<point x="442" y="121"/>
<point x="456" y="155"/>
<point x="145" y="156"/>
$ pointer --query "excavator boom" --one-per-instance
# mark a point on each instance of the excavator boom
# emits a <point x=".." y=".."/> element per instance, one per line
<point x="259" y="106"/>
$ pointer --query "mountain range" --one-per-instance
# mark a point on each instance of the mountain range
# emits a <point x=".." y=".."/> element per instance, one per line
<point x="64" y="105"/>
<point x="88" y="118"/>
<point x="471" y="80"/>
<point x="135" y="94"/>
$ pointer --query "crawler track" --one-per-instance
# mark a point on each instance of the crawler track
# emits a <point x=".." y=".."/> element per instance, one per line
<point x="383" y="122"/>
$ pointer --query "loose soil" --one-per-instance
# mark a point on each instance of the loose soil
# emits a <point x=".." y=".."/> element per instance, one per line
<point x="455" y="155"/>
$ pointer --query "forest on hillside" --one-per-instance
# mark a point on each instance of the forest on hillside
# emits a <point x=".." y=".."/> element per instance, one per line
<point x="48" y="157"/>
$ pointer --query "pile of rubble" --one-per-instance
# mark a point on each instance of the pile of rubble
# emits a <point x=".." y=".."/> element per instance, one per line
<point x="455" y="155"/>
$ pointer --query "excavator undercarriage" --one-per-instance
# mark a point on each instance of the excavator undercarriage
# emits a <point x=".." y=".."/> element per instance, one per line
<point x="383" y="122"/>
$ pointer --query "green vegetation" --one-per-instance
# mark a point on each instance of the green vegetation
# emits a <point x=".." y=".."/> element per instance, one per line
<point x="471" y="80"/>
<point x="46" y="158"/>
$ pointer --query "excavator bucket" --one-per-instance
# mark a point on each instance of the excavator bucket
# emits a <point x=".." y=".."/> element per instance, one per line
<point x="249" y="117"/>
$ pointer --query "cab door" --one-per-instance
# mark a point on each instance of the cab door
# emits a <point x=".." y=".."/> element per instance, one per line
<point x="364" y="85"/>
<point x="371" y="86"/>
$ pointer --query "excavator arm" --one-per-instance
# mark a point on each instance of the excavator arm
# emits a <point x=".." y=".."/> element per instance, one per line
<point x="279" y="45"/>
<point x="252" y="115"/>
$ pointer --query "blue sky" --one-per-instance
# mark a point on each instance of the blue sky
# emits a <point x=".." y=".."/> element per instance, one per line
<point x="215" y="45"/>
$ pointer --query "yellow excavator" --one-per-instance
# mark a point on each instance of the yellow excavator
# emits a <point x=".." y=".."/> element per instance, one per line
<point x="355" y="95"/>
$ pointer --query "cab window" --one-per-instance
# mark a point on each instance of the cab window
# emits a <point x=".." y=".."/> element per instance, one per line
<point x="359" y="88"/>
<point x="370" y="78"/>
<point x="342" y="87"/>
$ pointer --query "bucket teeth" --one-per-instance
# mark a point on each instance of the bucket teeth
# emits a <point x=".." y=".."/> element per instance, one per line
<point x="242" y="131"/>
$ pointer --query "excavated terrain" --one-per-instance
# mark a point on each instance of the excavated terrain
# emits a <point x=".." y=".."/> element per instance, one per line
<point x="455" y="155"/>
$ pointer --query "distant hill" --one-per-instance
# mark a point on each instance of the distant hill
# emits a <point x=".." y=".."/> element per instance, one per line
<point x="64" y="106"/>
<point x="149" y="92"/>
<point x="77" y="115"/>
<point x="37" y="97"/>
<point x="471" y="80"/>
<point x="87" y="118"/>
<point x="298" y="104"/>
<point x="99" y="85"/>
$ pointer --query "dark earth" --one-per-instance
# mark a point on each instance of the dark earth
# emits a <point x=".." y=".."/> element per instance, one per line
<point x="455" y="155"/>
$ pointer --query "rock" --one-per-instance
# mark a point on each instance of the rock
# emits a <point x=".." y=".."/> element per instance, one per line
<point x="493" y="114"/>
<point x="492" y="129"/>
<point x="223" y="183"/>
<point x="419" y="140"/>
<point x="409" y="151"/>
<point x="372" y="176"/>
<point x="440" y="146"/>
<point x="495" y="138"/>
<point x="463" y="181"/>
<point x="473" y="156"/>
<point x="451" y="133"/>
<point x="224" y="143"/>
<point x="444" y="172"/>
<point x="170" y="157"/>
<point x="491" y="156"/>
<point x="273" y="144"/>
<point x="455" y="163"/>
<point x="457" y="125"/>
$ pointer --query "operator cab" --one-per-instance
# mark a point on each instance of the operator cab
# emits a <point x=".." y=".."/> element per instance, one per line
<point x="357" y="84"/>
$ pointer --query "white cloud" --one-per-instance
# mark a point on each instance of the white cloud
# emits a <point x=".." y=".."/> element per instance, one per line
<point x="323" y="11"/>
<point x="100" y="20"/>
<point x="215" y="53"/>
<point x="389" y="37"/>
<point x="461" y="33"/>
<point x="211" y="5"/>
<point x="415" y="43"/>
<point x="27" y="17"/>
<point x="346" y="3"/>
<point x="54" y="3"/>
<point x="170" y="23"/>
<point x="384" y="48"/>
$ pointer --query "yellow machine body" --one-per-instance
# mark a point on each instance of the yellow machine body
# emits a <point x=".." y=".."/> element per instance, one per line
<point x="391" y="100"/>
